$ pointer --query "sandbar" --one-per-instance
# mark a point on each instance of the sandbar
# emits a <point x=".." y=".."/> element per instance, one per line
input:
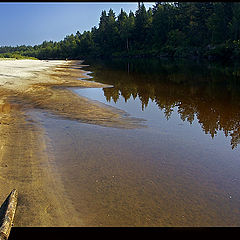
<point x="25" y="163"/>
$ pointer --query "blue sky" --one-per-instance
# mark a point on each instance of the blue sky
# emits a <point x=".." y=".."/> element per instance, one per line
<point x="32" y="23"/>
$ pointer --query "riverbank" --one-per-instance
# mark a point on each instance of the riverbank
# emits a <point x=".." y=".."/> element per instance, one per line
<point x="25" y="163"/>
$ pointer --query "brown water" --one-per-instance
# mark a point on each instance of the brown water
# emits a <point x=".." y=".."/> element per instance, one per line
<point x="183" y="169"/>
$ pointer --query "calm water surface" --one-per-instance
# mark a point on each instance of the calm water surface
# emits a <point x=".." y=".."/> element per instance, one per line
<point x="183" y="169"/>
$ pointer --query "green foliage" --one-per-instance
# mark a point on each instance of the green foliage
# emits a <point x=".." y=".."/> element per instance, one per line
<point x="183" y="29"/>
<point x="15" y="56"/>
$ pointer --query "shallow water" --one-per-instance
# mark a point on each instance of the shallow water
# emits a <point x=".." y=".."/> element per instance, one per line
<point x="181" y="170"/>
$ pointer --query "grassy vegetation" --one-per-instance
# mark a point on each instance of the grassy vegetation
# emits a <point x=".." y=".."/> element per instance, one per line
<point x="14" y="56"/>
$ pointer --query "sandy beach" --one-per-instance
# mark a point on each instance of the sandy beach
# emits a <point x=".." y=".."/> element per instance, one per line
<point x="25" y="163"/>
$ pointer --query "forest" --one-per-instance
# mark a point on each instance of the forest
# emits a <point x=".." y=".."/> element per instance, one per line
<point x="209" y="30"/>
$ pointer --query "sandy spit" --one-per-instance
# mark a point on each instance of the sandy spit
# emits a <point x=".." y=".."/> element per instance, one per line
<point x="25" y="164"/>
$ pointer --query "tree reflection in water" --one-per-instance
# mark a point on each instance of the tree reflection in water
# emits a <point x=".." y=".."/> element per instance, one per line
<point x="208" y="92"/>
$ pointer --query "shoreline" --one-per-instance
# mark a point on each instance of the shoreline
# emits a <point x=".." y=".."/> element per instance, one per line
<point x="47" y="87"/>
<point x="25" y="163"/>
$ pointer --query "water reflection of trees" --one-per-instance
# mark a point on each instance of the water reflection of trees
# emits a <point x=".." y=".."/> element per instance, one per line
<point x="208" y="93"/>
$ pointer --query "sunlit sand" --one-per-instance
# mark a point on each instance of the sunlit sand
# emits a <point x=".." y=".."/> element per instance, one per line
<point x="25" y="163"/>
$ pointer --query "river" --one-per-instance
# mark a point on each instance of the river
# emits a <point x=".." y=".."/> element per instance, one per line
<point x="181" y="169"/>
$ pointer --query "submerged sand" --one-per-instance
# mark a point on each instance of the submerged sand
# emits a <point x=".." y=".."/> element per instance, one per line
<point x="25" y="164"/>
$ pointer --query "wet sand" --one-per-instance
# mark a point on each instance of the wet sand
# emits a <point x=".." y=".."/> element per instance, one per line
<point x="25" y="163"/>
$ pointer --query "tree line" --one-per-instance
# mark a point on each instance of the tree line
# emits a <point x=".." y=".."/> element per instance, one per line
<point x="181" y="29"/>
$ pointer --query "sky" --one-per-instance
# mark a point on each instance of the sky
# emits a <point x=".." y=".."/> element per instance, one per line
<point x="32" y="23"/>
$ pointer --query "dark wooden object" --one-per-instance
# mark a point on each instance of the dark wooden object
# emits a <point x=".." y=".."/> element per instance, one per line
<point x="7" y="212"/>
